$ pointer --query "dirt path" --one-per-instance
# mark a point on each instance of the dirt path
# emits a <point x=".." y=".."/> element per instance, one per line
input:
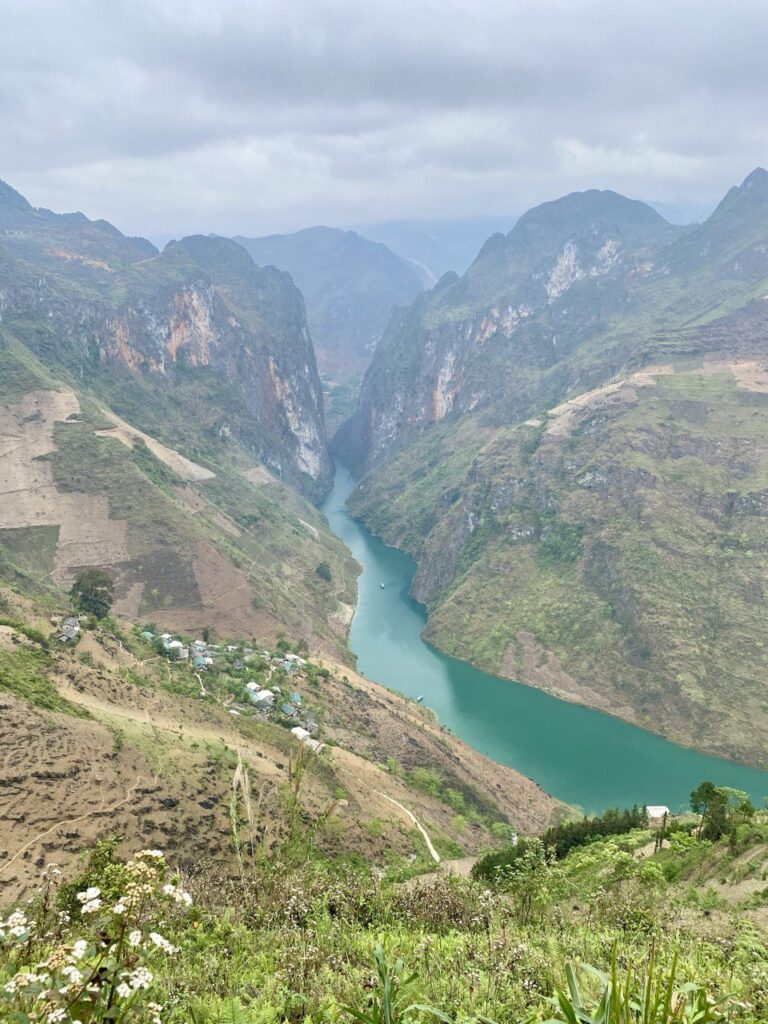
<point x="461" y="866"/>
<point x="411" y="816"/>
<point x="432" y="851"/>
<point x="262" y="763"/>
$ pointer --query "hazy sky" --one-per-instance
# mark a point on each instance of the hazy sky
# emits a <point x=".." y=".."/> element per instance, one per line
<point x="247" y="117"/>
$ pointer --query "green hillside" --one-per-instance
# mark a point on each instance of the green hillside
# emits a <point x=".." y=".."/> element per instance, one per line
<point x="612" y="932"/>
<point x="583" y="483"/>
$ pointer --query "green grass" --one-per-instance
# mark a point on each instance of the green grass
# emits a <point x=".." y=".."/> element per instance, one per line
<point x="32" y="547"/>
<point x="319" y="939"/>
<point x="23" y="673"/>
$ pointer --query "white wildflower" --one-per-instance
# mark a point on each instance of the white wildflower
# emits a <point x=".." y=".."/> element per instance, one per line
<point x="57" y="1015"/>
<point x="134" y="939"/>
<point x="78" y="950"/>
<point x="90" y="894"/>
<point x="17" y="924"/>
<point x="124" y="990"/>
<point x="141" y="978"/>
<point x="119" y="908"/>
<point x="177" y="894"/>
<point x="91" y="906"/>
<point x="162" y="943"/>
<point x="73" y="976"/>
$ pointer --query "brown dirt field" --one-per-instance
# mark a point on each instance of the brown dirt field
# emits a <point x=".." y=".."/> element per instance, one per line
<point x="564" y="418"/>
<point x="127" y="434"/>
<point x="258" y="475"/>
<point x="153" y="767"/>
<point x="29" y="497"/>
<point x="750" y="375"/>
<point x="226" y="596"/>
<point x="10" y="639"/>
<point x="66" y="784"/>
<point x="191" y="498"/>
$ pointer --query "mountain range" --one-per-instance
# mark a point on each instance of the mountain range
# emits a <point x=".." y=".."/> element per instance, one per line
<point x="350" y="285"/>
<point x="162" y="419"/>
<point x="569" y="439"/>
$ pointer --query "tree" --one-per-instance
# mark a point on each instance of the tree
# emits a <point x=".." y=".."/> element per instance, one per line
<point x="701" y="799"/>
<point x="324" y="572"/>
<point x="721" y="808"/>
<point x="93" y="592"/>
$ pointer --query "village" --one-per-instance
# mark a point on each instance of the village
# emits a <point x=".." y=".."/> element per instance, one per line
<point x="258" y="683"/>
<point x="253" y="683"/>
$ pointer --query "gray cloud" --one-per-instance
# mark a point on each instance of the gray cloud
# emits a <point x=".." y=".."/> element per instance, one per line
<point x="167" y="117"/>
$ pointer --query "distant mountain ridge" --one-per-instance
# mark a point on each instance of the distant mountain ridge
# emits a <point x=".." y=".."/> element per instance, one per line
<point x="439" y="245"/>
<point x="350" y="286"/>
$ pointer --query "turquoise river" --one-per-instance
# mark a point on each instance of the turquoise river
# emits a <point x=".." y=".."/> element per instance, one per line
<point x="579" y="755"/>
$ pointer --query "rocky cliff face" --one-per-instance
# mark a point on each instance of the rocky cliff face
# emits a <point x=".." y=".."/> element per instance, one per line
<point x="163" y="421"/>
<point x="578" y="289"/>
<point x="571" y="442"/>
<point x="104" y="306"/>
<point x="499" y="335"/>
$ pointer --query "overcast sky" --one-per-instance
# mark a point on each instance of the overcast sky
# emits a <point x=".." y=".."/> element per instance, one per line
<point x="168" y="117"/>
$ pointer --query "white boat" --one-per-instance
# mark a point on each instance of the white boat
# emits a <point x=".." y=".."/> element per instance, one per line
<point x="381" y="585"/>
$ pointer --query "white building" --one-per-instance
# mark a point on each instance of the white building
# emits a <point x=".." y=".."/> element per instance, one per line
<point x="656" y="811"/>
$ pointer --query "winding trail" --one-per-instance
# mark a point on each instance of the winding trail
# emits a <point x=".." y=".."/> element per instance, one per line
<point x="432" y="851"/>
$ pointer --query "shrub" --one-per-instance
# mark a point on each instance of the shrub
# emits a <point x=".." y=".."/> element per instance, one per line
<point x="104" y="973"/>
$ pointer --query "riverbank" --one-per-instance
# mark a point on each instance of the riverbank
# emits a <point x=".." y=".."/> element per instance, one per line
<point x="581" y="756"/>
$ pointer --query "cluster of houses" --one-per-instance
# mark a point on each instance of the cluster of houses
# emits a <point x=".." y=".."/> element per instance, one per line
<point x="267" y="701"/>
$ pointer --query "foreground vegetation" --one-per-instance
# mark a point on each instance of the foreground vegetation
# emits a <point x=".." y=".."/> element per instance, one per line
<point x="608" y="933"/>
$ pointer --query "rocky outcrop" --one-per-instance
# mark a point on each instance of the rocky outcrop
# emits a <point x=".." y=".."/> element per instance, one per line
<point x="578" y="290"/>
<point x="569" y="440"/>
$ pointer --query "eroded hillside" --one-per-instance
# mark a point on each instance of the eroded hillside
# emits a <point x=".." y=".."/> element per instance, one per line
<point x="108" y="737"/>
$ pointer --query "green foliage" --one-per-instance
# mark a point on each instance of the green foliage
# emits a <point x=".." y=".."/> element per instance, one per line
<point x="561" y="541"/>
<point x="99" y="971"/>
<point x="93" y="592"/>
<point x="294" y="939"/>
<point x="568" y="834"/>
<point x="647" y="997"/>
<point x="390" y="1001"/>
<point x="721" y="809"/>
<point x="24" y="673"/>
<point x="324" y="572"/>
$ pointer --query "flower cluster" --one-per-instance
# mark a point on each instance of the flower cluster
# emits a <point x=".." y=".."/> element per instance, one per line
<point x="90" y="900"/>
<point x="16" y="926"/>
<point x="104" y="977"/>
